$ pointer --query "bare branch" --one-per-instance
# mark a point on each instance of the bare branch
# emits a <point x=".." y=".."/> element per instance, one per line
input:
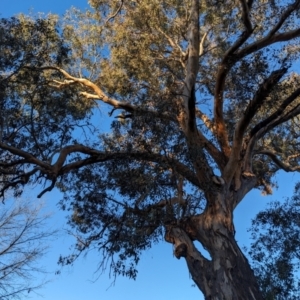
<point x="22" y="243"/>
<point x="201" y="46"/>
<point x="245" y="15"/>
<point x="205" y="119"/>
<point x="115" y="14"/>
<point x="48" y="189"/>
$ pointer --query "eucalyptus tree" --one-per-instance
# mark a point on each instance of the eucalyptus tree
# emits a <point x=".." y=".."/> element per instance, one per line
<point x="204" y="107"/>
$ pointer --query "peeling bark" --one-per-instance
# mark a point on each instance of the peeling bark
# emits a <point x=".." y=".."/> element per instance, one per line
<point x="228" y="274"/>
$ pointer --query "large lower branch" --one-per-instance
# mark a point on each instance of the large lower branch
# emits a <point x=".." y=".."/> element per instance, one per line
<point x="184" y="247"/>
<point x="60" y="167"/>
<point x="26" y="155"/>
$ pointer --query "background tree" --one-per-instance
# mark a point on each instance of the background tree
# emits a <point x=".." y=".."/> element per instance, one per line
<point x="207" y="107"/>
<point x="22" y="243"/>
<point x="275" y="248"/>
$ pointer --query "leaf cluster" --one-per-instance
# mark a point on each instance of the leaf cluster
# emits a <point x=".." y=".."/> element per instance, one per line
<point x="275" y="248"/>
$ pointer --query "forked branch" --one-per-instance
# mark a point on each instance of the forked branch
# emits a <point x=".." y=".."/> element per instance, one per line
<point x="252" y="108"/>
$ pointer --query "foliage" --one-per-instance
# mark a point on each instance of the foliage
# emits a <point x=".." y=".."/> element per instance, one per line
<point x="276" y="247"/>
<point x="205" y="100"/>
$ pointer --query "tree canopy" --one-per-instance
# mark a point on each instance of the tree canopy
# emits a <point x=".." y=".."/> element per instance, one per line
<point x="204" y="107"/>
<point x="275" y="248"/>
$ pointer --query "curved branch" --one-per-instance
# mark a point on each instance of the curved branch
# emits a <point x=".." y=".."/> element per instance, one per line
<point x="284" y="16"/>
<point x="100" y="95"/>
<point x="98" y="156"/>
<point x="281" y="164"/>
<point x="267" y="41"/>
<point x="28" y="157"/>
<point x="260" y="133"/>
<point x="115" y="14"/>
<point x="201" y="46"/>
<point x="48" y="189"/>
<point x="277" y="113"/>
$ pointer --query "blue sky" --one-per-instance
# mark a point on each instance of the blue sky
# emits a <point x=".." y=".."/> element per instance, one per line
<point x="161" y="276"/>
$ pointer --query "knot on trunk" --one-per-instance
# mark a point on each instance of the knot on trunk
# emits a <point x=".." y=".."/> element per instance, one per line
<point x="180" y="251"/>
<point x="218" y="180"/>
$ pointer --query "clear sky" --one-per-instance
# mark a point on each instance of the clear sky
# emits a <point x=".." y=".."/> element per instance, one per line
<point x="161" y="276"/>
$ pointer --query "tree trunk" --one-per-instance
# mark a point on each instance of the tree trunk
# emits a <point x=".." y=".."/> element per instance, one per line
<point x="228" y="275"/>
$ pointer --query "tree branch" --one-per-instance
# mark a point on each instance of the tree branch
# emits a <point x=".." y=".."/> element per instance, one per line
<point x="284" y="16"/>
<point x="100" y="95"/>
<point x="252" y="108"/>
<point x="271" y="38"/>
<point x="201" y="46"/>
<point x="261" y="132"/>
<point x="48" y="189"/>
<point x="277" y="113"/>
<point x="245" y="15"/>
<point x="192" y="65"/>
<point x="217" y="155"/>
<point x="139" y="156"/>
<point x="281" y="164"/>
<point x="95" y="156"/>
<point x="224" y="68"/>
<point x="230" y="58"/>
<point x="267" y="41"/>
<point x="205" y="119"/>
<point x="29" y="157"/>
<point x="115" y="14"/>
